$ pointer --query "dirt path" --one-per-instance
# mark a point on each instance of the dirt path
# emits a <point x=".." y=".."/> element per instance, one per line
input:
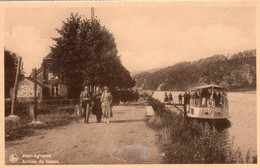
<point x="126" y="139"/>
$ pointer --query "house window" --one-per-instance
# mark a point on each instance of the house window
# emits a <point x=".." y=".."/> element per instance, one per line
<point x="55" y="90"/>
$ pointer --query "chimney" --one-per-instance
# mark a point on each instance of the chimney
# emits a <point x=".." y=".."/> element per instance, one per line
<point x="92" y="13"/>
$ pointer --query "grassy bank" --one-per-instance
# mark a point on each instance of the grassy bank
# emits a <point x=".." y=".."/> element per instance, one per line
<point x="51" y="116"/>
<point x="190" y="141"/>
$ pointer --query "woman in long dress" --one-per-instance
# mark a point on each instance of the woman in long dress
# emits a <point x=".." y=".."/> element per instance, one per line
<point x="96" y="109"/>
<point x="106" y="100"/>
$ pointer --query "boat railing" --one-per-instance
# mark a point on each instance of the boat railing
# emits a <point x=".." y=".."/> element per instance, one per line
<point x="198" y="102"/>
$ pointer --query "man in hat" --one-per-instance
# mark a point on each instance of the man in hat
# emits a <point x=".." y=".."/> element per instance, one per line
<point x="85" y="99"/>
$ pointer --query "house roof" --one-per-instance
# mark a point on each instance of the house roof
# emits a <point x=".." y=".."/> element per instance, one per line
<point x="49" y="56"/>
<point x="39" y="70"/>
<point x="37" y="82"/>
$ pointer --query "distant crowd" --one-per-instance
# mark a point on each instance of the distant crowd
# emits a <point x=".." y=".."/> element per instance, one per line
<point x="183" y="98"/>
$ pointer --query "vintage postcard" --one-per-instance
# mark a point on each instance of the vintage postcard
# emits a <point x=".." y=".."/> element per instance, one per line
<point x="129" y="83"/>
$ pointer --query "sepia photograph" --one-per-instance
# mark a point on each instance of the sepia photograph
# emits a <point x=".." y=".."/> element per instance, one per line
<point x="129" y="83"/>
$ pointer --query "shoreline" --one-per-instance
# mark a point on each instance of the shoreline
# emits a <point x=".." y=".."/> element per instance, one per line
<point x="231" y="90"/>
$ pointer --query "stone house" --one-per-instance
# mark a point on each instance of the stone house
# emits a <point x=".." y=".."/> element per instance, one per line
<point x="49" y="86"/>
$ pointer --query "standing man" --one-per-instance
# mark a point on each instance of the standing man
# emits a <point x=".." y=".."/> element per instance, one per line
<point x="166" y="99"/>
<point x="85" y="99"/>
<point x="215" y="98"/>
<point x="218" y="99"/>
<point x="185" y="97"/>
<point x="170" y="98"/>
<point x="188" y="97"/>
<point x="180" y="98"/>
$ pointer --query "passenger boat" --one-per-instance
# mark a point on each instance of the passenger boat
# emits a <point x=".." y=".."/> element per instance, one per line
<point x="208" y="102"/>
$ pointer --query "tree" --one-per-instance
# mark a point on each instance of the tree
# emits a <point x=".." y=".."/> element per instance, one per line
<point x="86" y="52"/>
<point x="10" y="60"/>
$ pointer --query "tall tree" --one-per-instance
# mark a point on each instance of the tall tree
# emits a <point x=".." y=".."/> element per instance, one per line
<point x="86" y="51"/>
<point x="10" y="60"/>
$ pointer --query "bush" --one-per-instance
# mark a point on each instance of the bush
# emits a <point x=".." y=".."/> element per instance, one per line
<point x="48" y="109"/>
<point x="52" y="116"/>
<point x="21" y="109"/>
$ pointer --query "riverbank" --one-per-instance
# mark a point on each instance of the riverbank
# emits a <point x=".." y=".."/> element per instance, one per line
<point x="185" y="141"/>
<point x="229" y="90"/>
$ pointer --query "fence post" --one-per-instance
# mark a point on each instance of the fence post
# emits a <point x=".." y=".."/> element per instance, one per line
<point x="31" y="111"/>
<point x="77" y="110"/>
<point x="14" y="119"/>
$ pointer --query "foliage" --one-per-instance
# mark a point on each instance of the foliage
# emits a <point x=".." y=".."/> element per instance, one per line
<point x="10" y="64"/>
<point x="237" y="72"/>
<point x="21" y="109"/>
<point x="86" y="52"/>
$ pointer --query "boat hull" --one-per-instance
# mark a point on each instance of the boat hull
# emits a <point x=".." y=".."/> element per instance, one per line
<point x="209" y="113"/>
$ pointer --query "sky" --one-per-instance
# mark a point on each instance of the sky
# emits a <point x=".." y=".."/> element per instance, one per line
<point x="146" y="37"/>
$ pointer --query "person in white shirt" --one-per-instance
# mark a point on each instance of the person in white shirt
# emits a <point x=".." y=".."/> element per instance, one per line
<point x="106" y="100"/>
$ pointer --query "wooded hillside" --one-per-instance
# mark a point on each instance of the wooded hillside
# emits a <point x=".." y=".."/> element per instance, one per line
<point x="237" y="71"/>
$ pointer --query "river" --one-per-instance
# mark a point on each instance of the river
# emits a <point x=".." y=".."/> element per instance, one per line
<point x="242" y="109"/>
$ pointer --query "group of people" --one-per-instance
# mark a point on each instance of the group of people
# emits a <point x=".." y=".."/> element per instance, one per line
<point x="217" y="98"/>
<point x="126" y="95"/>
<point x="209" y="99"/>
<point x="185" y="97"/>
<point x="168" y="98"/>
<point x="205" y="98"/>
<point x="101" y="103"/>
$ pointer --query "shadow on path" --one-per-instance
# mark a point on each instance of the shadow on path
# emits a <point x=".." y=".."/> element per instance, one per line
<point x="125" y="121"/>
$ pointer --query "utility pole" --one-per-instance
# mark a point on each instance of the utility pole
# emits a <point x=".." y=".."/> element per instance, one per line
<point x="33" y="110"/>
<point x="35" y="94"/>
<point x="16" y="84"/>
<point x="92" y="13"/>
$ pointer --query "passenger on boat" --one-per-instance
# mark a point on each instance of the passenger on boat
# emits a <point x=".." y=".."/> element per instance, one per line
<point x="196" y="98"/>
<point x="188" y="97"/>
<point x="218" y="99"/>
<point x="195" y="95"/>
<point x="223" y="99"/>
<point x="205" y="93"/>
<point x="204" y="102"/>
<point x="214" y="95"/>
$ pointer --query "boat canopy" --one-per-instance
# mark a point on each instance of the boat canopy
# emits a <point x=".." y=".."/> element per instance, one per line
<point x="215" y="87"/>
